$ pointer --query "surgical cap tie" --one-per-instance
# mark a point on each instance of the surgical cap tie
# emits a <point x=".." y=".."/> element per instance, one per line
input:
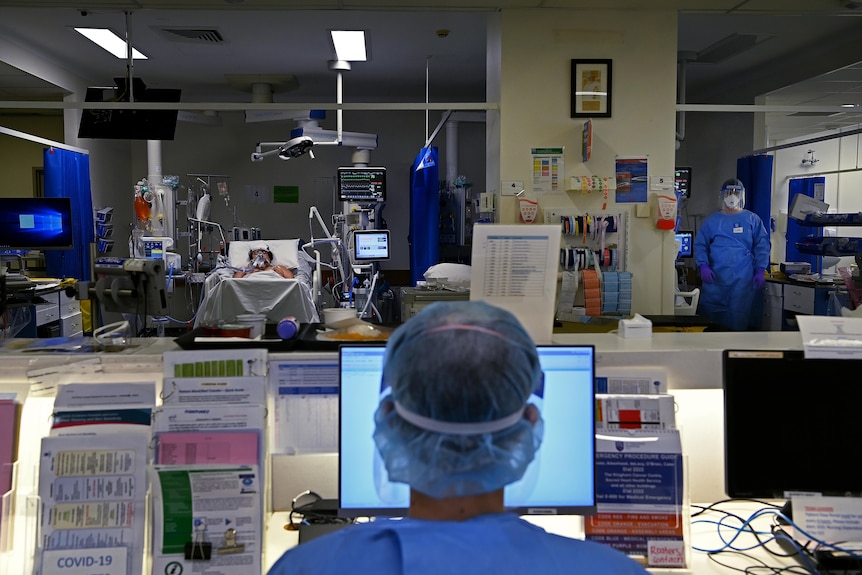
<point x="454" y="428"/>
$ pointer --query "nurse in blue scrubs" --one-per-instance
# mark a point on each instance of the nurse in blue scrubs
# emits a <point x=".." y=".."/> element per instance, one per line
<point x="457" y="427"/>
<point x="731" y="251"/>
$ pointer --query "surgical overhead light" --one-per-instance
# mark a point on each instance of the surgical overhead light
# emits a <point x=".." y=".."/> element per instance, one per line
<point x="296" y="147"/>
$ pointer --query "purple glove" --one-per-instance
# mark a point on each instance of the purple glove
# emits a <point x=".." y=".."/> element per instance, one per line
<point x="759" y="278"/>
<point x="706" y="274"/>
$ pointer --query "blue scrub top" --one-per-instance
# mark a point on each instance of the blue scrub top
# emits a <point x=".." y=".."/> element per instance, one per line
<point x="733" y="245"/>
<point x="497" y="544"/>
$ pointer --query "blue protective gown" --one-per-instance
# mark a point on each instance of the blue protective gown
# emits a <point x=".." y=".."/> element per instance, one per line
<point x="496" y="544"/>
<point x="733" y="245"/>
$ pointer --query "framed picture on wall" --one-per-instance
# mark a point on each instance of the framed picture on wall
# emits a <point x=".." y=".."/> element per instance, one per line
<point x="591" y="88"/>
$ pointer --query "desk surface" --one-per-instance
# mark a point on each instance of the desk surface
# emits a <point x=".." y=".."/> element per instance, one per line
<point x="705" y="535"/>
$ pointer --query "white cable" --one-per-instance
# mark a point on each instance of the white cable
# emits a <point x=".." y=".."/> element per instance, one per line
<point x="112" y="333"/>
<point x="370" y="293"/>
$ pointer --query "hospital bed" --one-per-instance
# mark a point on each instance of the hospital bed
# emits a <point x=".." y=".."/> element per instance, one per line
<point x="224" y="297"/>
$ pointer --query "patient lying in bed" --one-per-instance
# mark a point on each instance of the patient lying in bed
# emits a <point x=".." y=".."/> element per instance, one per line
<point x="260" y="262"/>
<point x="277" y="284"/>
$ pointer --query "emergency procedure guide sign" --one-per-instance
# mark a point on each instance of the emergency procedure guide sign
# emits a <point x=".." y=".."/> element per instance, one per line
<point x="639" y="493"/>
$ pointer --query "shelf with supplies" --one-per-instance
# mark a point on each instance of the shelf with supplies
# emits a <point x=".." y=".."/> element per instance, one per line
<point x="590" y="239"/>
<point x="593" y="260"/>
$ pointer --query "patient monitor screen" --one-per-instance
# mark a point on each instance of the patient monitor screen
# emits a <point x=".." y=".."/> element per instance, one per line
<point x="370" y="245"/>
<point x="561" y="479"/>
<point x="364" y="185"/>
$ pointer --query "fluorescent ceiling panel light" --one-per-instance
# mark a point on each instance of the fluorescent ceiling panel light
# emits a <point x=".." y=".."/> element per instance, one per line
<point x="349" y="45"/>
<point x="110" y="42"/>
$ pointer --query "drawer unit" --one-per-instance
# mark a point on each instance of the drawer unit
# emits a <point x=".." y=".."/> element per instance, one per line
<point x="72" y="325"/>
<point x="46" y="313"/>
<point x="68" y="305"/>
<point x="799" y="299"/>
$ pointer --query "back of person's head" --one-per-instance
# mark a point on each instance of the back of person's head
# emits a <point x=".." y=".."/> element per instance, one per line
<point x="460" y="375"/>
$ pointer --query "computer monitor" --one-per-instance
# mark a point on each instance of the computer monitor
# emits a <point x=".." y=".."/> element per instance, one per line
<point x="682" y="181"/>
<point x="686" y="244"/>
<point x="362" y="185"/>
<point x="36" y="224"/>
<point x="790" y="424"/>
<point x="561" y="480"/>
<point x="370" y="245"/>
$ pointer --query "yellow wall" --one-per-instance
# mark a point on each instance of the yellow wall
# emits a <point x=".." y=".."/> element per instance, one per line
<point x="18" y="157"/>
<point x="537" y="49"/>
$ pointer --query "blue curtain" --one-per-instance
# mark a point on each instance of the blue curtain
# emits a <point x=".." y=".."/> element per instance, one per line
<point x="424" y="236"/>
<point x="67" y="175"/>
<point x="755" y="173"/>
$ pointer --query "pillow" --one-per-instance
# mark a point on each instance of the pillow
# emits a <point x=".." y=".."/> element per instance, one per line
<point x="449" y="274"/>
<point x="284" y="252"/>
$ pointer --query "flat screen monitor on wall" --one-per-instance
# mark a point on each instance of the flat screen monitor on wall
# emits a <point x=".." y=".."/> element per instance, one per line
<point x="36" y="224"/>
<point x="790" y="424"/>
<point x="127" y="124"/>
<point x="686" y="244"/>
<point x="560" y="480"/>
<point x="362" y="185"/>
<point x="682" y="181"/>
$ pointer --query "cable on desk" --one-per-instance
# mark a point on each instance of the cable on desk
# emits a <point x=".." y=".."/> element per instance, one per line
<point x="776" y="534"/>
<point x="304" y="505"/>
<point x="761" y="567"/>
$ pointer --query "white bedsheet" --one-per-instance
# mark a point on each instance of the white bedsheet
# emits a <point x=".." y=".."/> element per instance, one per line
<point x="264" y="293"/>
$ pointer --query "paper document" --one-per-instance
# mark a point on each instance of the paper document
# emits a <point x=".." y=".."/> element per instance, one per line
<point x="207" y="521"/>
<point x="515" y="267"/>
<point x="831" y="337"/>
<point x="305" y="393"/>
<point x="94" y="497"/>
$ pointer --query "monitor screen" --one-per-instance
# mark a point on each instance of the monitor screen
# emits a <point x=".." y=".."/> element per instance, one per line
<point x="36" y="223"/>
<point x="686" y="244"/>
<point x="129" y="124"/>
<point x="682" y="181"/>
<point x="790" y="424"/>
<point x="370" y="245"/>
<point x="561" y="480"/>
<point x="365" y="185"/>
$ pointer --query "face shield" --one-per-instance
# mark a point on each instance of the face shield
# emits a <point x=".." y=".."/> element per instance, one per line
<point x="733" y="195"/>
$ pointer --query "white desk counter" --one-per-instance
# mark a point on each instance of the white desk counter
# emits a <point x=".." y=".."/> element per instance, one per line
<point x="691" y="359"/>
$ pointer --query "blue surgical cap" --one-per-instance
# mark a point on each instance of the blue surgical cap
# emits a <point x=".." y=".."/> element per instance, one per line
<point x="460" y="375"/>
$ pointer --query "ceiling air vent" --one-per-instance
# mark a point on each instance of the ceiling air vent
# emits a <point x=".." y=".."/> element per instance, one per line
<point x="196" y="35"/>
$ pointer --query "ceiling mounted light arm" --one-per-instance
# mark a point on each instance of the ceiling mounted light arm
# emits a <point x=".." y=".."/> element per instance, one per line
<point x="293" y="148"/>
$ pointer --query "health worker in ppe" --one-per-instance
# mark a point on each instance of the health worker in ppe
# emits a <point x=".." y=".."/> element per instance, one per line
<point x="731" y="251"/>
<point x="457" y="427"/>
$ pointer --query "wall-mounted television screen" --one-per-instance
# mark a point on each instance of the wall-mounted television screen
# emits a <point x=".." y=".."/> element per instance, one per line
<point x="36" y="224"/>
<point x="121" y="124"/>
<point x="362" y="185"/>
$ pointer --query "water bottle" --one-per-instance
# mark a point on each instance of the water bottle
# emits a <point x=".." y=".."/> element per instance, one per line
<point x="288" y="328"/>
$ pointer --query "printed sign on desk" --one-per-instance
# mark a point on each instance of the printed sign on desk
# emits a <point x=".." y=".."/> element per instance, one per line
<point x="639" y="494"/>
